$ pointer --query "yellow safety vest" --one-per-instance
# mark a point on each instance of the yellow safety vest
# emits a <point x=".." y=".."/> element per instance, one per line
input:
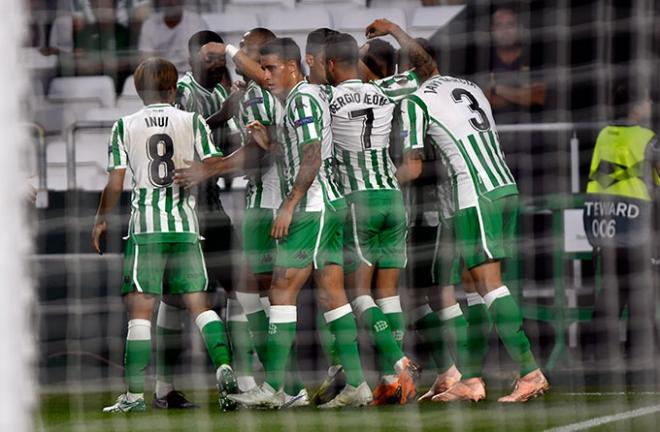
<point x="618" y="165"/>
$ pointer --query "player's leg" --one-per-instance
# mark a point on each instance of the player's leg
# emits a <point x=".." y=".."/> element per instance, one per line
<point x="293" y="267"/>
<point x="143" y="272"/>
<point x="169" y="344"/>
<point x="188" y="278"/>
<point x="361" y="235"/>
<point x="499" y="219"/>
<point x="339" y="317"/>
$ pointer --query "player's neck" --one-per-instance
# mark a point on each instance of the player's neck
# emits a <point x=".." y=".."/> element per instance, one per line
<point x="204" y="81"/>
<point x="296" y="79"/>
<point x="342" y="75"/>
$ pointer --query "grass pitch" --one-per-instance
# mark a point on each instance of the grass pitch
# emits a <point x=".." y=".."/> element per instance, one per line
<point x="570" y="411"/>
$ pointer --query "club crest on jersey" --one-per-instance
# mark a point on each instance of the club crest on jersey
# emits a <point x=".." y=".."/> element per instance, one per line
<point x="303" y="121"/>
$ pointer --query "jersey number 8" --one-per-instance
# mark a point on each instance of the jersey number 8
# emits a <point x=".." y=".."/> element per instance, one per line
<point x="160" y="149"/>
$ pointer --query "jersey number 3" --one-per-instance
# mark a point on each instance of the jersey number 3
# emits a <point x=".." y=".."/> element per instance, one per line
<point x="480" y="122"/>
<point x="367" y="116"/>
<point x="160" y="149"/>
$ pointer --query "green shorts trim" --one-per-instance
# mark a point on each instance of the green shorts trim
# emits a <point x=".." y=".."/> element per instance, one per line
<point x="487" y="231"/>
<point x="259" y="247"/>
<point x="179" y="266"/>
<point x="376" y="234"/>
<point x="314" y="238"/>
<point x="446" y="267"/>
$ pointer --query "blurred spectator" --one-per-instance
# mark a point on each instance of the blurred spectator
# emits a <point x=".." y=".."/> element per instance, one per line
<point x="166" y="33"/>
<point x="39" y="23"/>
<point x="102" y="47"/>
<point x="129" y="13"/>
<point x="512" y="89"/>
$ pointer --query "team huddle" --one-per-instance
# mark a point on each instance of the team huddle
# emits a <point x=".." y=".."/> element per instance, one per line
<point x="323" y="201"/>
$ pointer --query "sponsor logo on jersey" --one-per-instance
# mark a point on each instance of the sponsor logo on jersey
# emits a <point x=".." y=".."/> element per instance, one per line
<point x="303" y="121"/>
<point x="301" y="255"/>
<point x="253" y="101"/>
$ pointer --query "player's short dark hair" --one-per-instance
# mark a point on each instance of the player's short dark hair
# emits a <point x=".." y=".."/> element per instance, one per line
<point x="263" y="33"/>
<point x="154" y="78"/>
<point x="285" y="48"/>
<point x="625" y="95"/>
<point x="380" y="57"/>
<point x="342" y="48"/>
<point x="201" y="38"/>
<point x="316" y="40"/>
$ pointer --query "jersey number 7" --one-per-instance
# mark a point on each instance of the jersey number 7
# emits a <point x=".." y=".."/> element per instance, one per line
<point x="367" y="117"/>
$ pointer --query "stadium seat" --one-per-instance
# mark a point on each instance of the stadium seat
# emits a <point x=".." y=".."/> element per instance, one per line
<point x="427" y="20"/>
<point x="99" y="89"/>
<point x="129" y="101"/>
<point x="290" y="4"/>
<point x="355" y="21"/>
<point x="334" y="3"/>
<point x="298" y="23"/>
<point x="56" y="165"/>
<point x="91" y="146"/>
<point x="35" y="61"/>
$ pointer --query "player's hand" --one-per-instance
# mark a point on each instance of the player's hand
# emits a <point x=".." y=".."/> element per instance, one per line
<point x="194" y="174"/>
<point x="259" y="134"/>
<point x="281" y="223"/>
<point x="98" y="234"/>
<point x="238" y="85"/>
<point x="380" y="27"/>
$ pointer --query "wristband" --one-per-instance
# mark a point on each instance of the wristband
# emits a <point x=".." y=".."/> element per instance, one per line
<point x="231" y="50"/>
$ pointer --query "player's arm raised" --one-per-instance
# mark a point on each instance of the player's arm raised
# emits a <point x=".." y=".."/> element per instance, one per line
<point x="249" y="67"/>
<point x="419" y="58"/>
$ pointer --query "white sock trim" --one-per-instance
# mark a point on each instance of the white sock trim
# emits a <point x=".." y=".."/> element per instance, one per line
<point x="283" y="314"/>
<point x="419" y="312"/>
<point x="163" y="388"/>
<point x="265" y="304"/>
<point x="206" y="318"/>
<point x="474" y="299"/>
<point x="502" y="291"/>
<point x="235" y="311"/>
<point x="390" y="304"/>
<point x="450" y="312"/>
<point x="169" y="317"/>
<point x="362" y="303"/>
<point x="250" y="302"/>
<point x="335" y="314"/>
<point x="139" y="329"/>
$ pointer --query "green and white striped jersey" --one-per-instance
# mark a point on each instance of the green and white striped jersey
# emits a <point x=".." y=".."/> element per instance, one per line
<point x="456" y="116"/>
<point x="258" y="104"/>
<point x="361" y="125"/>
<point x="193" y="97"/>
<point x="307" y="119"/>
<point x="152" y="143"/>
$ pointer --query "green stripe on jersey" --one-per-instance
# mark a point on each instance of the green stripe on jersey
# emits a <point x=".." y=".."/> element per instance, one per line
<point x="492" y="156"/>
<point x="482" y="161"/>
<point x="376" y="170"/>
<point x="346" y="156"/>
<point x="388" y="172"/>
<point x="363" y="167"/>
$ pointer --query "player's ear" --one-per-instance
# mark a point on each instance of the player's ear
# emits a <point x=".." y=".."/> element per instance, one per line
<point x="309" y="59"/>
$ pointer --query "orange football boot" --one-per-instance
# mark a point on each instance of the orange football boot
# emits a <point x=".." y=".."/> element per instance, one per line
<point x="442" y="383"/>
<point x="532" y="385"/>
<point x="472" y="389"/>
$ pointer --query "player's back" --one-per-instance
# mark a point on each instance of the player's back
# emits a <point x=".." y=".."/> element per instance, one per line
<point x="152" y="143"/>
<point x="361" y="125"/>
<point x="461" y="124"/>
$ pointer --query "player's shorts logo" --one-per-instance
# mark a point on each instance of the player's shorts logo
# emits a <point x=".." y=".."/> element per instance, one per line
<point x="301" y="255"/>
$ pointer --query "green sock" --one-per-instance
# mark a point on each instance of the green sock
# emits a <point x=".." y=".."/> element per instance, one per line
<point x="391" y="307"/>
<point x="213" y="333"/>
<point x="239" y="336"/>
<point x="281" y="335"/>
<point x="478" y="330"/>
<point x="429" y="329"/>
<point x="292" y="382"/>
<point x="258" y="323"/>
<point x="375" y="321"/>
<point x="344" y="329"/>
<point x="137" y="354"/>
<point x="508" y="322"/>
<point x="327" y="340"/>
<point x="455" y="328"/>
